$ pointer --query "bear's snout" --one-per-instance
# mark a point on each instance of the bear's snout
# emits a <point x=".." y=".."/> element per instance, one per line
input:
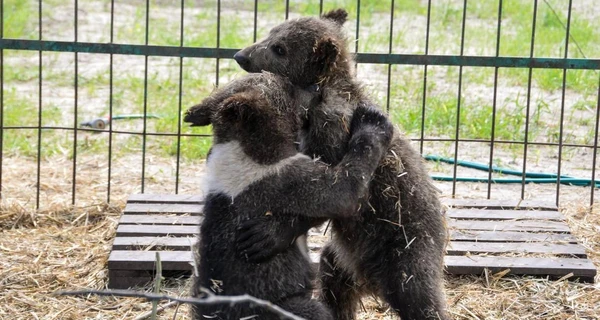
<point x="242" y="60"/>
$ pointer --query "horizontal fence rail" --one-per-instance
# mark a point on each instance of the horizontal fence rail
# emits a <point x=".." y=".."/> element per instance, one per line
<point x="374" y="58"/>
<point x="170" y="134"/>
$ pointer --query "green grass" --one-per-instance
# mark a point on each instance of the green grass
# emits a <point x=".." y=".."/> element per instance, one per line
<point x="21" y="72"/>
<point x="515" y="39"/>
<point x="162" y="99"/>
<point x="475" y="119"/>
<point x="20" y="21"/>
<point x="24" y="142"/>
<point x="476" y="109"/>
<point x="18" y="18"/>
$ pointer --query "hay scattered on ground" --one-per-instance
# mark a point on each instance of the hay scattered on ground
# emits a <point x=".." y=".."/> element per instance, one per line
<point x="57" y="249"/>
<point x="64" y="247"/>
<point x="67" y="248"/>
<point x="503" y="296"/>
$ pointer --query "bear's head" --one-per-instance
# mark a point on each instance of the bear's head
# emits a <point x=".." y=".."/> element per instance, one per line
<point x="261" y="112"/>
<point x="307" y="50"/>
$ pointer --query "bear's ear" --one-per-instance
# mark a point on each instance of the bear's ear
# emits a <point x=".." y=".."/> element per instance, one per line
<point x="326" y="52"/>
<point x="233" y="111"/>
<point x="339" y="16"/>
<point x="239" y="107"/>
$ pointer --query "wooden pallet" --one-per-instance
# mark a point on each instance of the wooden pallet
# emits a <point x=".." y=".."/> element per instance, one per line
<point x="526" y="237"/>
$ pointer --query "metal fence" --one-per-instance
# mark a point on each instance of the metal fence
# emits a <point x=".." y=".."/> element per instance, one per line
<point x="424" y="60"/>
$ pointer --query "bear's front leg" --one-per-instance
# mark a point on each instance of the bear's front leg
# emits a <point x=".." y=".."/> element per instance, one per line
<point x="260" y="239"/>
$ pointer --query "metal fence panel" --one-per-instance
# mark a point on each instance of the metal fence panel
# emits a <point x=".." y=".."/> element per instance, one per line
<point x="463" y="63"/>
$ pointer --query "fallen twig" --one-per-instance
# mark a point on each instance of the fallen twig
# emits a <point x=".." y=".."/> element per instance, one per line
<point x="209" y="299"/>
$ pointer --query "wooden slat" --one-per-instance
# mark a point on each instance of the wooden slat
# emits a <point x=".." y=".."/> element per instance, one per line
<point x="454" y="247"/>
<point x="581" y="268"/>
<point x="125" y="279"/>
<point x="145" y="260"/>
<point x="481" y="214"/>
<point x="510" y="225"/>
<point x="509" y="236"/>
<point x="500" y="204"/>
<point x="156" y="221"/>
<point x="129" y="230"/>
<point x="165" y="198"/>
<point x="463" y="247"/>
<point x="170" y="244"/>
<point x="173" y="260"/>
<point x="160" y="219"/>
<point x="145" y="208"/>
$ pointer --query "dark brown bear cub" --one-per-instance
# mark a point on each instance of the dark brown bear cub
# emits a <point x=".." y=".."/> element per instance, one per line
<point x="395" y="248"/>
<point x="255" y="171"/>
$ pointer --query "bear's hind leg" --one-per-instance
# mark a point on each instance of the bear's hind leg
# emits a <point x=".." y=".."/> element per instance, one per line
<point x="339" y="291"/>
<point x="307" y="308"/>
<point x="419" y="297"/>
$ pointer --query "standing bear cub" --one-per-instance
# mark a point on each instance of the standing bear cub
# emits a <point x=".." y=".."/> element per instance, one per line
<point x="394" y="248"/>
<point x="255" y="171"/>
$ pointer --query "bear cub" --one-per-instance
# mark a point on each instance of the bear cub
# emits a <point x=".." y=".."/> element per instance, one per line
<point x="395" y="247"/>
<point x="255" y="171"/>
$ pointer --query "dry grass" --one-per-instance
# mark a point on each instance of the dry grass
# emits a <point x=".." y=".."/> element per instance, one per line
<point x="510" y="297"/>
<point x="62" y="246"/>
<point x="65" y="247"/>
<point x="57" y="249"/>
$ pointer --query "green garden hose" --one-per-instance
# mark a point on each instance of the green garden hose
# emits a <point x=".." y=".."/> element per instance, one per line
<point x="530" y="177"/>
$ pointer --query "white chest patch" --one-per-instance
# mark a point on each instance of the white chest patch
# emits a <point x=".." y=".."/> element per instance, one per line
<point x="230" y="170"/>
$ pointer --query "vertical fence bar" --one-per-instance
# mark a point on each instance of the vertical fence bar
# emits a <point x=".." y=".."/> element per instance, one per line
<point x="389" y="82"/>
<point x="320" y="7"/>
<point x="179" y="102"/>
<point x="357" y="30"/>
<point x="526" y="139"/>
<point x="562" y="106"/>
<point x="110" y="99"/>
<point x="1" y="94"/>
<point x="145" y="122"/>
<point x="494" y="102"/>
<point x="425" y="78"/>
<point x="75" y="113"/>
<point x="39" y="141"/>
<point x="255" y="19"/>
<point x="460" y="74"/>
<point x="595" y="150"/>
<point x="287" y="9"/>
<point x="218" y="39"/>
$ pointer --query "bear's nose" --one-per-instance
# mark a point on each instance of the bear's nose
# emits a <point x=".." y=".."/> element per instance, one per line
<point x="242" y="60"/>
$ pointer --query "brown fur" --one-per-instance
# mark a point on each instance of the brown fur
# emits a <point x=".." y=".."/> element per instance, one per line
<point x="256" y="173"/>
<point x="395" y="246"/>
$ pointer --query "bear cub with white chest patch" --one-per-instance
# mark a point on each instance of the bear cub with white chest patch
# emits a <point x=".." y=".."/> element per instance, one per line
<point x="254" y="170"/>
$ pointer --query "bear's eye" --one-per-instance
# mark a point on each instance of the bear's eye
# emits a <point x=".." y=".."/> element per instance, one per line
<point x="278" y="50"/>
